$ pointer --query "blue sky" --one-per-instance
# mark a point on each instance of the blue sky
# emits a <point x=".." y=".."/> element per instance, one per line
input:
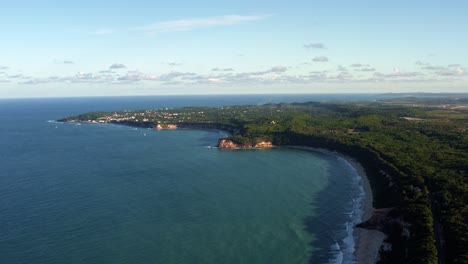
<point x="92" y="48"/>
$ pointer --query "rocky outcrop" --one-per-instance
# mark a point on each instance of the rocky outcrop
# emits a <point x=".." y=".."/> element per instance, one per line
<point x="169" y="126"/>
<point x="263" y="144"/>
<point x="229" y="144"/>
<point x="380" y="220"/>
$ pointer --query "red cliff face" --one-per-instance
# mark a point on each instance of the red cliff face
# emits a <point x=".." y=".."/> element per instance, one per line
<point x="169" y="126"/>
<point x="229" y="144"/>
<point x="263" y="144"/>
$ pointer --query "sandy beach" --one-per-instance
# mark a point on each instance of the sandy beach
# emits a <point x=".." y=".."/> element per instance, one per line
<point x="367" y="242"/>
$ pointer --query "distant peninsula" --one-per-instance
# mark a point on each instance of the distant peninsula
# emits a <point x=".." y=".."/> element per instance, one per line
<point x="413" y="149"/>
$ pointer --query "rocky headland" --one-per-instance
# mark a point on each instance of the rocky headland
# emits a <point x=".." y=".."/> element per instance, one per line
<point x="230" y="144"/>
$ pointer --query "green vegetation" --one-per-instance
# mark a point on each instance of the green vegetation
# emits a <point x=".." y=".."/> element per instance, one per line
<point x="415" y="152"/>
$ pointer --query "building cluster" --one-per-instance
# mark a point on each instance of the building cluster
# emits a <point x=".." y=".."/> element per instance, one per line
<point x="156" y="116"/>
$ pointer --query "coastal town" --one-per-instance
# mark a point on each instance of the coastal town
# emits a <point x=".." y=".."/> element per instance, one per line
<point x="170" y="118"/>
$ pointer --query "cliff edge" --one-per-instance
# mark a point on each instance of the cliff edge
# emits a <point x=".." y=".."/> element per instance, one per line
<point x="230" y="144"/>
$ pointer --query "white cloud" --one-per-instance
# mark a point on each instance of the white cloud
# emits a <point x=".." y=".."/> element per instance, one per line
<point x="215" y="80"/>
<point x="278" y="69"/>
<point x="397" y="73"/>
<point x="344" y="76"/>
<point x="226" y="76"/>
<point x="320" y="59"/>
<point x="314" y="46"/>
<point x="367" y="69"/>
<point x="225" y="69"/>
<point x="117" y="66"/>
<point x="452" y="72"/>
<point x="17" y="76"/>
<point x="136" y="76"/>
<point x="433" y="68"/>
<point x="174" y="75"/>
<point x="342" y="69"/>
<point x="422" y="63"/>
<point x="191" y="24"/>
<point x="358" y="65"/>
<point x="275" y="69"/>
<point x="173" y="63"/>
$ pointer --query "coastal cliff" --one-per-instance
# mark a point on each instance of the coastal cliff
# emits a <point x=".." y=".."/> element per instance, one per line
<point x="230" y="144"/>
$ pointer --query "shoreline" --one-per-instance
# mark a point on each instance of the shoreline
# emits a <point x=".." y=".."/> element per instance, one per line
<point x="366" y="242"/>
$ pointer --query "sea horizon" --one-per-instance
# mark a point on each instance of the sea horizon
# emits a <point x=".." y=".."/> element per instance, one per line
<point x="391" y="94"/>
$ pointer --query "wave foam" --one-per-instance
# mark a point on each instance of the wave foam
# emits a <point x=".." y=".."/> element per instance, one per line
<point x="345" y="253"/>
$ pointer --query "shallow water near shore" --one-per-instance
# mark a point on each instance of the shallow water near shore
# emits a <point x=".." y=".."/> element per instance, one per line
<point x="95" y="193"/>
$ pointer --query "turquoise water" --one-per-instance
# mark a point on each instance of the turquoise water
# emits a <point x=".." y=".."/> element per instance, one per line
<point x="95" y="193"/>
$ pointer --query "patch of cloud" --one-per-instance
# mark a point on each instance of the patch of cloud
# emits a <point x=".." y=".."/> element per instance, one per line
<point x="35" y="81"/>
<point x="106" y="71"/>
<point x="359" y="65"/>
<point x="4" y="67"/>
<point x="80" y="77"/>
<point x="83" y="77"/>
<point x="365" y="69"/>
<point x="117" y="66"/>
<point x="215" y="80"/>
<point x="274" y="75"/>
<point x="17" y="76"/>
<point x="175" y="75"/>
<point x="275" y="69"/>
<point x="173" y="83"/>
<point x="316" y="75"/>
<point x="278" y="69"/>
<point x="397" y="73"/>
<point x="173" y="63"/>
<point x="198" y="23"/>
<point x="224" y="70"/>
<point x="422" y="63"/>
<point x="64" y="62"/>
<point x="341" y="69"/>
<point x="136" y="76"/>
<point x="433" y="68"/>
<point x="344" y="76"/>
<point x="320" y="59"/>
<point x="314" y="46"/>
<point x="452" y="72"/>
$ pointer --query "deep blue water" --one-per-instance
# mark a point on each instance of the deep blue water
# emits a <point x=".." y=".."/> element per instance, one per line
<point x="94" y="193"/>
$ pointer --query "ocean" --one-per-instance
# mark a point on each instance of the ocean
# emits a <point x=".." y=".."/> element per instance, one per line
<point x="101" y="193"/>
